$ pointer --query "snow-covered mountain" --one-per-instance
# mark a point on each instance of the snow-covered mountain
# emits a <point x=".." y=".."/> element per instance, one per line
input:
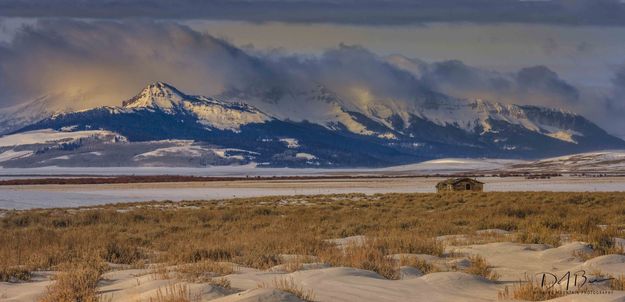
<point x="164" y="98"/>
<point x="164" y="126"/>
<point x="436" y="118"/>
<point x="18" y="116"/>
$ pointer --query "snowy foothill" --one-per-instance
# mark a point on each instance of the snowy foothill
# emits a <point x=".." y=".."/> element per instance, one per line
<point x="47" y="135"/>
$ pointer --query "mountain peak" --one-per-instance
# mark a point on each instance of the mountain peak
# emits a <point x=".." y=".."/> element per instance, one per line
<point x="160" y="86"/>
<point x="156" y="95"/>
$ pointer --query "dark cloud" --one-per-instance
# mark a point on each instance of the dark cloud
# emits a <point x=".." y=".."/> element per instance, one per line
<point x="615" y="102"/>
<point x="619" y="81"/>
<point x="106" y="61"/>
<point x="610" y="108"/>
<point x="533" y="85"/>
<point x="455" y="75"/>
<point x="354" y="66"/>
<point x="584" y="47"/>
<point x="576" y="12"/>
<point x="550" y="46"/>
<point x="543" y="80"/>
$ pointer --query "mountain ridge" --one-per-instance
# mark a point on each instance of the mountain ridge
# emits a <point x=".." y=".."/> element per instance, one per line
<point x="368" y="134"/>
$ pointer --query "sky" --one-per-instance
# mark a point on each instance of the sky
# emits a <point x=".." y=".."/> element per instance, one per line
<point x="568" y="54"/>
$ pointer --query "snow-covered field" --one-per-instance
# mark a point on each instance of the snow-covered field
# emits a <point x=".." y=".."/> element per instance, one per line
<point x="81" y="195"/>
<point x="512" y="261"/>
<point x="24" y="197"/>
<point x="448" y="165"/>
<point x="234" y="170"/>
<point x="452" y="165"/>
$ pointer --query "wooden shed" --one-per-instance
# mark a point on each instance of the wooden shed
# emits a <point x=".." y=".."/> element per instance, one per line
<point x="460" y="184"/>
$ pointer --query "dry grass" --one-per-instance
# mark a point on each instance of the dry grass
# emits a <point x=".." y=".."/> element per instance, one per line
<point x="418" y="263"/>
<point x="204" y="270"/>
<point x="367" y="256"/>
<point x="293" y="266"/>
<point x="529" y="290"/>
<point x="120" y="252"/>
<point x="174" y="293"/>
<point x="602" y="241"/>
<point x="288" y="285"/>
<point x="480" y="267"/>
<point x="297" y="262"/>
<point x="618" y="283"/>
<point x="75" y="282"/>
<point x="160" y="271"/>
<point x="14" y="274"/>
<point x="254" y="232"/>
<point x="538" y="233"/>
<point x="221" y="282"/>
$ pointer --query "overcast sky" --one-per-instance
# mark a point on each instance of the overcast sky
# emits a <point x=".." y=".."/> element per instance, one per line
<point x="575" y="48"/>
<point x="572" y="12"/>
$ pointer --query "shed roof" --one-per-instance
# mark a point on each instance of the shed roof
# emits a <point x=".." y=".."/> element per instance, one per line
<point x="453" y="181"/>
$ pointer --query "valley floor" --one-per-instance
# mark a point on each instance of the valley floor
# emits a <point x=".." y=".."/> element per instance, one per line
<point x="49" y="196"/>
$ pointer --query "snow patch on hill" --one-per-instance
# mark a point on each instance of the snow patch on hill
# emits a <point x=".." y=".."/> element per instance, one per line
<point x="190" y="151"/>
<point x="224" y="117"/>
<point x="228" y="153"/>
<point x="306" y="156"/>
<point x="10" y="155"/>
<point x="290" y="142"/>
<point x="566" y="136"/>
<point x="49" y="136"/>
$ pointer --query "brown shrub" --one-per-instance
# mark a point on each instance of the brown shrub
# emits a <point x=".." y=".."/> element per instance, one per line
<point x="530" y="290"/>
<point x="203" y="271"/>
<point x="618" y="283"/>
<point x="173" y="293"/>
<point x="221" y="282"/>
<point x="121" y="253"/>
<point x="288" y="285"/>
<point x="602" y="241"/>
<point x="14" y="274"/>
<point x="418" y="263"/>
<point x="539" y="234"/>
<point x="367" y="256"/>
<point x="480" y="267"/>
<point x="75" y="282"/>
